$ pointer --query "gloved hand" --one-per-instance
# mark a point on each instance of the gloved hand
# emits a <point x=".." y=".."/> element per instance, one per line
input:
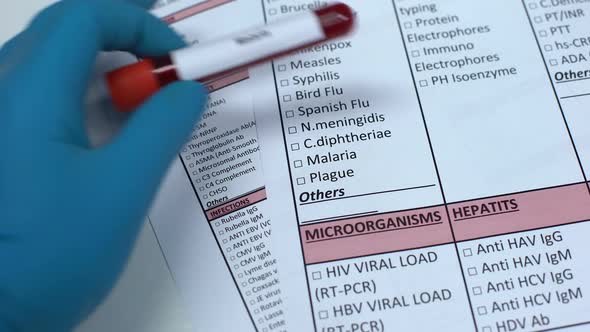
<point x="69" y="214"/>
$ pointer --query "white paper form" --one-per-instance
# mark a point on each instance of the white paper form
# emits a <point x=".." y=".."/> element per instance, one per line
<point x="210" y="214"/>
<point x="430" y="172"/>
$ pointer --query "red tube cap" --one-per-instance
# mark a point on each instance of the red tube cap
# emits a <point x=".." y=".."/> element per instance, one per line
<point x="131" y="85"/>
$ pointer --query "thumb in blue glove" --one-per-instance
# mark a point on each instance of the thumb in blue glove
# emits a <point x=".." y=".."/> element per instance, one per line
<point x="69" y="214"/>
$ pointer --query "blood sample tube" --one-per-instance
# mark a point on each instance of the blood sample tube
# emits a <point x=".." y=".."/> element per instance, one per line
<point x="131" y="85"/>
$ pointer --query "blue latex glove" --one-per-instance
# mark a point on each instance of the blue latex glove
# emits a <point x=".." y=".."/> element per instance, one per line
<point x="69" y="214"/>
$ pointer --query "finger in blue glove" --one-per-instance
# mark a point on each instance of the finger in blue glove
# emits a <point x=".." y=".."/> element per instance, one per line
<point x="69" y="214"/>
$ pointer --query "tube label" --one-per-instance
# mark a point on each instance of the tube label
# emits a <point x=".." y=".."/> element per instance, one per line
<point x="247" y="47"/>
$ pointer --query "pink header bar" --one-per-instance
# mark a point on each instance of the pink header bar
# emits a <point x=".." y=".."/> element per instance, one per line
<point x="193" y="10"/>
<point x="520" y="212"/>
<point x="375" y="234"/>
<point x="236" y="204"/>
<point x="228" y="80"/>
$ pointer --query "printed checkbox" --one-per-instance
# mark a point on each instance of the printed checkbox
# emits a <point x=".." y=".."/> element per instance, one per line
<point x="221" y="233"/>
<point x="248" y="293"/>
<point x="272" y="11"/>
<point x="472" y="271"/>
<point x="282" y="67"/>
<point x="233" y="258"/>
<point x="236" y="266"/>
<point x="228" y="249"/>
<point x="205" y="196"/>
<point x="415" y="53"/>
<point x="284" y="82"/>
<point x="260" y="320"/>
<point x="408" y="25"/>
<point x="477" y="290"/>
<point x="198" y="180"/>
<point x="323" y="314"/>
<point x="553" y="62"/>
<point x="532" y="5"/>
<point x="486" y="329"/>
<point x="287" y="98"/>
<point x="217" y="223"/>
<point x="295" y="147"/>
<point x="252" y="302"/>
<point x="542" y="33"/>
<point x="188" y="157"/>
<point x="265" y="329"/>
<point x="290" y="114"/>
<point x="482" y="310"/>
<point x="548" y="48"/>
<point x="467" y="252"/>
<point x="244" y="284"/>
<point x="195" y="173"/>
<point x="316" y="275"/>
<point x="224" y="241"/>
<point x="240" y="275"/>
<point x="300" y="181"/>
<point x="292" y="130"/>
<point x="538" y="19"/>
<point x="423" y="83"/>
<point x="298" y="163"/>
<point x="201" y="188"/>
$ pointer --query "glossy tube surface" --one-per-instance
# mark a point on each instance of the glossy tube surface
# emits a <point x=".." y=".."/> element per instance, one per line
<point x="131" y="85"/>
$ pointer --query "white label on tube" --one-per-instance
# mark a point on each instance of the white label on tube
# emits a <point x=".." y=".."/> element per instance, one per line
<point x="241" y="49"/>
